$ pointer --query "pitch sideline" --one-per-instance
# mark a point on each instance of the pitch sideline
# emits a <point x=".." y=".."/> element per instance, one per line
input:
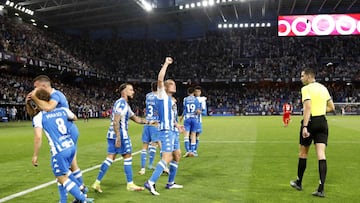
<point x="13" y="196"/>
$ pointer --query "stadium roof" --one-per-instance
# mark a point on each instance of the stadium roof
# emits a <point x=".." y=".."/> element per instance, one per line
<point x="128" y="16"/>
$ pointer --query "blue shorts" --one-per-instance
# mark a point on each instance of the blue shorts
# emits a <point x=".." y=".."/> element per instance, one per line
<point x="191" y="124"/>
<point x="125" y="147"/>
<point x="150" y="134"/>
<point x="167" y="139"/>
<point x="60" y="163"/>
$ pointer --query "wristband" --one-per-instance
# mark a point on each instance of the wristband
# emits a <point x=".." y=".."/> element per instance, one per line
<point x="305" y="126"/>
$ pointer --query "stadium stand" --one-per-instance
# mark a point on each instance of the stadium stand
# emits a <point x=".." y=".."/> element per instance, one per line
<point x="243" y="72"/>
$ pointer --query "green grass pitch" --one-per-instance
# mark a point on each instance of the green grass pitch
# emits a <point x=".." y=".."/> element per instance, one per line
<point x="241" y="159"/>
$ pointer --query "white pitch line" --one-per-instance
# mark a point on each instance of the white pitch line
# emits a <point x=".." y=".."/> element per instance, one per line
<point x="10" y="197"/>
<point x="268" y="142"/>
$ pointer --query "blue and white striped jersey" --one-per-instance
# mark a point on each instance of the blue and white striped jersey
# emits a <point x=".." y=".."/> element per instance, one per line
<point x="55" y="124"/>
<point x="166" y="116"/>
<point x="152" y="113"/>
<point x="120" y="107"/>
<point x="191" y="105"/>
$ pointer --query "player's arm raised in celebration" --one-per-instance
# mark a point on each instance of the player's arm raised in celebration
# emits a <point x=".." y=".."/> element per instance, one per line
<point x="162" y="73"/>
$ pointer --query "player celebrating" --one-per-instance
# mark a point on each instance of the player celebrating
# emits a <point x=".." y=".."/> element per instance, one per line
<point x="150" y="133"/>
<point x="202" y="101"/>
<point x="118" y="138"/>
<point x="57" y="100"/>
<point x="56" y="124"/>
<point x="287" y="109"/>
<point x="192" y="109"/>
<point x="170" y="150"/>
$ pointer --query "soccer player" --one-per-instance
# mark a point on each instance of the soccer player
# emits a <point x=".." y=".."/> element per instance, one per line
<point x="170" y="152"/>
<point x="202" y="101"/>
<point x="118" y="138"/>
<point x="56" y="123"/>
<point x="150" y="133"/>
<point x="192" y="109"/>
<point x="287" y="109"/>
<point x="57" y="100"/>
<point x="316" y="102"/>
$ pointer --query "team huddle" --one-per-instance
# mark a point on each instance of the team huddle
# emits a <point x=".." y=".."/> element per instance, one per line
<point x="50" y="111"/>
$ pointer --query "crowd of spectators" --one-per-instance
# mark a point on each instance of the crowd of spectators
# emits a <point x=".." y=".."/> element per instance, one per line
<point x="256" y="54"/>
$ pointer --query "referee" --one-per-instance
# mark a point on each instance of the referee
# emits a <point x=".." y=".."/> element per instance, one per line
<point x="316" y="102"/>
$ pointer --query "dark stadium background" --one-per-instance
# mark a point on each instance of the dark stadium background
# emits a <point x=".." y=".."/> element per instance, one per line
<point x="240" y="70"/>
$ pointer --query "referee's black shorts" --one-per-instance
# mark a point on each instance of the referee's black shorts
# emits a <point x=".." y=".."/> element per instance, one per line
<point x="318" y="129"/>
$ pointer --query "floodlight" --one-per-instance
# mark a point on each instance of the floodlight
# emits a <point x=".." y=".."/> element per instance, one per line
<point x="257" y="25"/>
<point x="198" y="4"/>
<point x="268" y="25"/>
<point x="219" y="26"/>
<point x="7" y="3"/>
<point x="230" y="25"/>
<point x="236" y="25"/>
<point x="192" y="5"/>
<point x="225" y="25"/>
<point x="187" y="6"/>
<point x="204" y="3"/>
<point x="181" y="7"/>
<point x="262" y="24"/>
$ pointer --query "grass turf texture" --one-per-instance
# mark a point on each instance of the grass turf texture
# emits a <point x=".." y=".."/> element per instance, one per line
<point x="241" y="159"/>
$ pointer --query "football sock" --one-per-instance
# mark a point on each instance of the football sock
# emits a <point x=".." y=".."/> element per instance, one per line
<point x="143" y="158"/>
<point x="152" y="152"/>
<point x="72" y="178"/>
<point x="173" y="169"/>
<point x="301" y="169"/>
<point x="186" y="144"/>
<point x="197" y="143"/>
<point x="104" y="167"/>
<point x="193" y="147"/>
<point x="322" y="172"/>
<point x="63" y="193"/>
<point x="78" y="175"/>
<point x="158" y="171"/>
<point x="71" y="187"/>
<point x="128" y="169"/>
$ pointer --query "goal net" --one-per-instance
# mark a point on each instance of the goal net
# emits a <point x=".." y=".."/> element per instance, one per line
<point x="347" y="108"/>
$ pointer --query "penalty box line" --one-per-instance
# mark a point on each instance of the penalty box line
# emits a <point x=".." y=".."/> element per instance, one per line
<point x="13" y="196"/>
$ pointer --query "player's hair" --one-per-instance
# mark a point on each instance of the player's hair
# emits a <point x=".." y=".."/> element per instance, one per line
<point x="190" y="90"/>
<point x="154" y="86"/>
<point x="197" y="88"/>
<point x="122" y="87"/>
<point x="42" y="78"/>
<point x="31" y="108"/>
<point x="309" y="71"/>
<point x="166" y="83"/>
<point x="42" y="95"/>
